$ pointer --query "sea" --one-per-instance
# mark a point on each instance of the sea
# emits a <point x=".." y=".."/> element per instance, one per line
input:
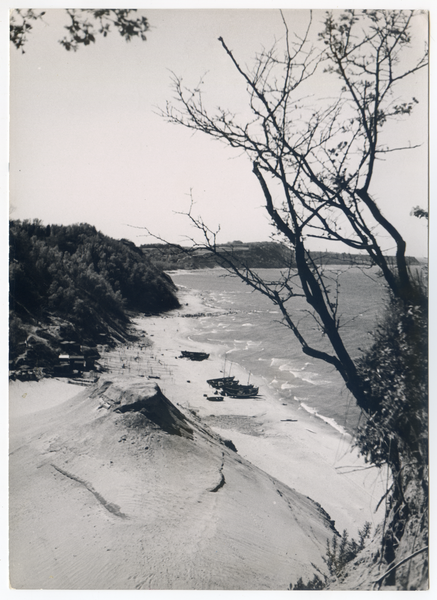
<point x="248" y="331"/>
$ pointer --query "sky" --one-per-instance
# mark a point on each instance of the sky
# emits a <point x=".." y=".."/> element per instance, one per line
<point x="87" y="143"/>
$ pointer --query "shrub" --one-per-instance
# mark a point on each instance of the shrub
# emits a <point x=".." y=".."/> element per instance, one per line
<point x="339" y="552"/>
<point x="395" y="369"/>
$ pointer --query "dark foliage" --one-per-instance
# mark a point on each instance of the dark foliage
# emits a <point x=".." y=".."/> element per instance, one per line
<point x="395" y="370"/>
<point x="83" y="26"/>
<point x="420" y="213"/>
<point x="82" y="276"/>
<point x="339" y="552"/>
<point x="395" y="427"/>
<point x="313" y="584"/>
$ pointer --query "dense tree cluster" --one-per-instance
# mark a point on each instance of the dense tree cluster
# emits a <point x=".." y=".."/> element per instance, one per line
<point x="81" y="275"/>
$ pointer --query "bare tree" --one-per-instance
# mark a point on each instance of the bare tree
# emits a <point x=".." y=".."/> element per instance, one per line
<point x="321" y="155"/>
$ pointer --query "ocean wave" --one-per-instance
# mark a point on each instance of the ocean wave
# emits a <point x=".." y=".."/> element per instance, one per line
<point x="311" y="378"/>
<point x="328" y="420"/>
<point x="292" y="368"/>
<point x="278" y="361"/>
<point x="308" y="376"/>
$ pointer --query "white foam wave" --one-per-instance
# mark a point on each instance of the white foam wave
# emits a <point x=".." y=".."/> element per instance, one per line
<point x="332" y="422"/>
<point x="292" y="368"/>
<point x="278" y="361"/>
<point x="307" y="376"/>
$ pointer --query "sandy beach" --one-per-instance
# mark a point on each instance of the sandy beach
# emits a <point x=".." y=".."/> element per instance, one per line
<point x="294" y="446"/>
<point x="92" y="507"/>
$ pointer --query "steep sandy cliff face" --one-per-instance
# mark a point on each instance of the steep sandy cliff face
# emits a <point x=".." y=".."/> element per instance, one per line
<point x="118" y="488"/>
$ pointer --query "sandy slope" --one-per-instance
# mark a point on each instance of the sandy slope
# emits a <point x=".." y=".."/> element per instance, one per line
<point x="102" y="499"/>
<point x="107" y="500"/>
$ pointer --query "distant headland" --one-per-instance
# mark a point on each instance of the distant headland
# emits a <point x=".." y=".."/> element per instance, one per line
<point x="267" y="255"/>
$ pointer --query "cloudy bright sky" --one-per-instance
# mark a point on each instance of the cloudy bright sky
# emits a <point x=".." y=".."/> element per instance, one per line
<point x="87" y="144"/>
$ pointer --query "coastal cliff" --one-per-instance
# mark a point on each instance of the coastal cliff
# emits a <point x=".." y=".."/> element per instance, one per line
<point x="267" y="255"/>
<point x="255" y="255"/>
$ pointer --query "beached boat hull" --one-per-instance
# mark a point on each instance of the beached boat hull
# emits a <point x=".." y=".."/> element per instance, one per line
<point x="220" y="382"/>
<point x="194" y="355"/>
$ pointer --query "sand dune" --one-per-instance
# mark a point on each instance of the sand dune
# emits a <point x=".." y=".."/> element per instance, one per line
<point x="128" y="486"/>
<point x="117" y="489"/>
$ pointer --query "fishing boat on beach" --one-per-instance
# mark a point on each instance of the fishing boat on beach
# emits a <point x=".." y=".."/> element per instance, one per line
<point x="220" y="382"/>
<point x="194" y="355"/>
<point x="229" y="386"/>
<point x="240" y="391"/>
<point x="242" y="394"/>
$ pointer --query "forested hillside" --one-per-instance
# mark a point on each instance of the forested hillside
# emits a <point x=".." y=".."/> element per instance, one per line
<point x="73" y="282"/>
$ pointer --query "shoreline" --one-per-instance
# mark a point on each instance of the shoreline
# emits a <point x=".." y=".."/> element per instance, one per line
<point x="292" y="445"/>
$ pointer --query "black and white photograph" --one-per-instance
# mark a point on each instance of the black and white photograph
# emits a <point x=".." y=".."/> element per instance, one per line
<point x="218" y="298"/>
